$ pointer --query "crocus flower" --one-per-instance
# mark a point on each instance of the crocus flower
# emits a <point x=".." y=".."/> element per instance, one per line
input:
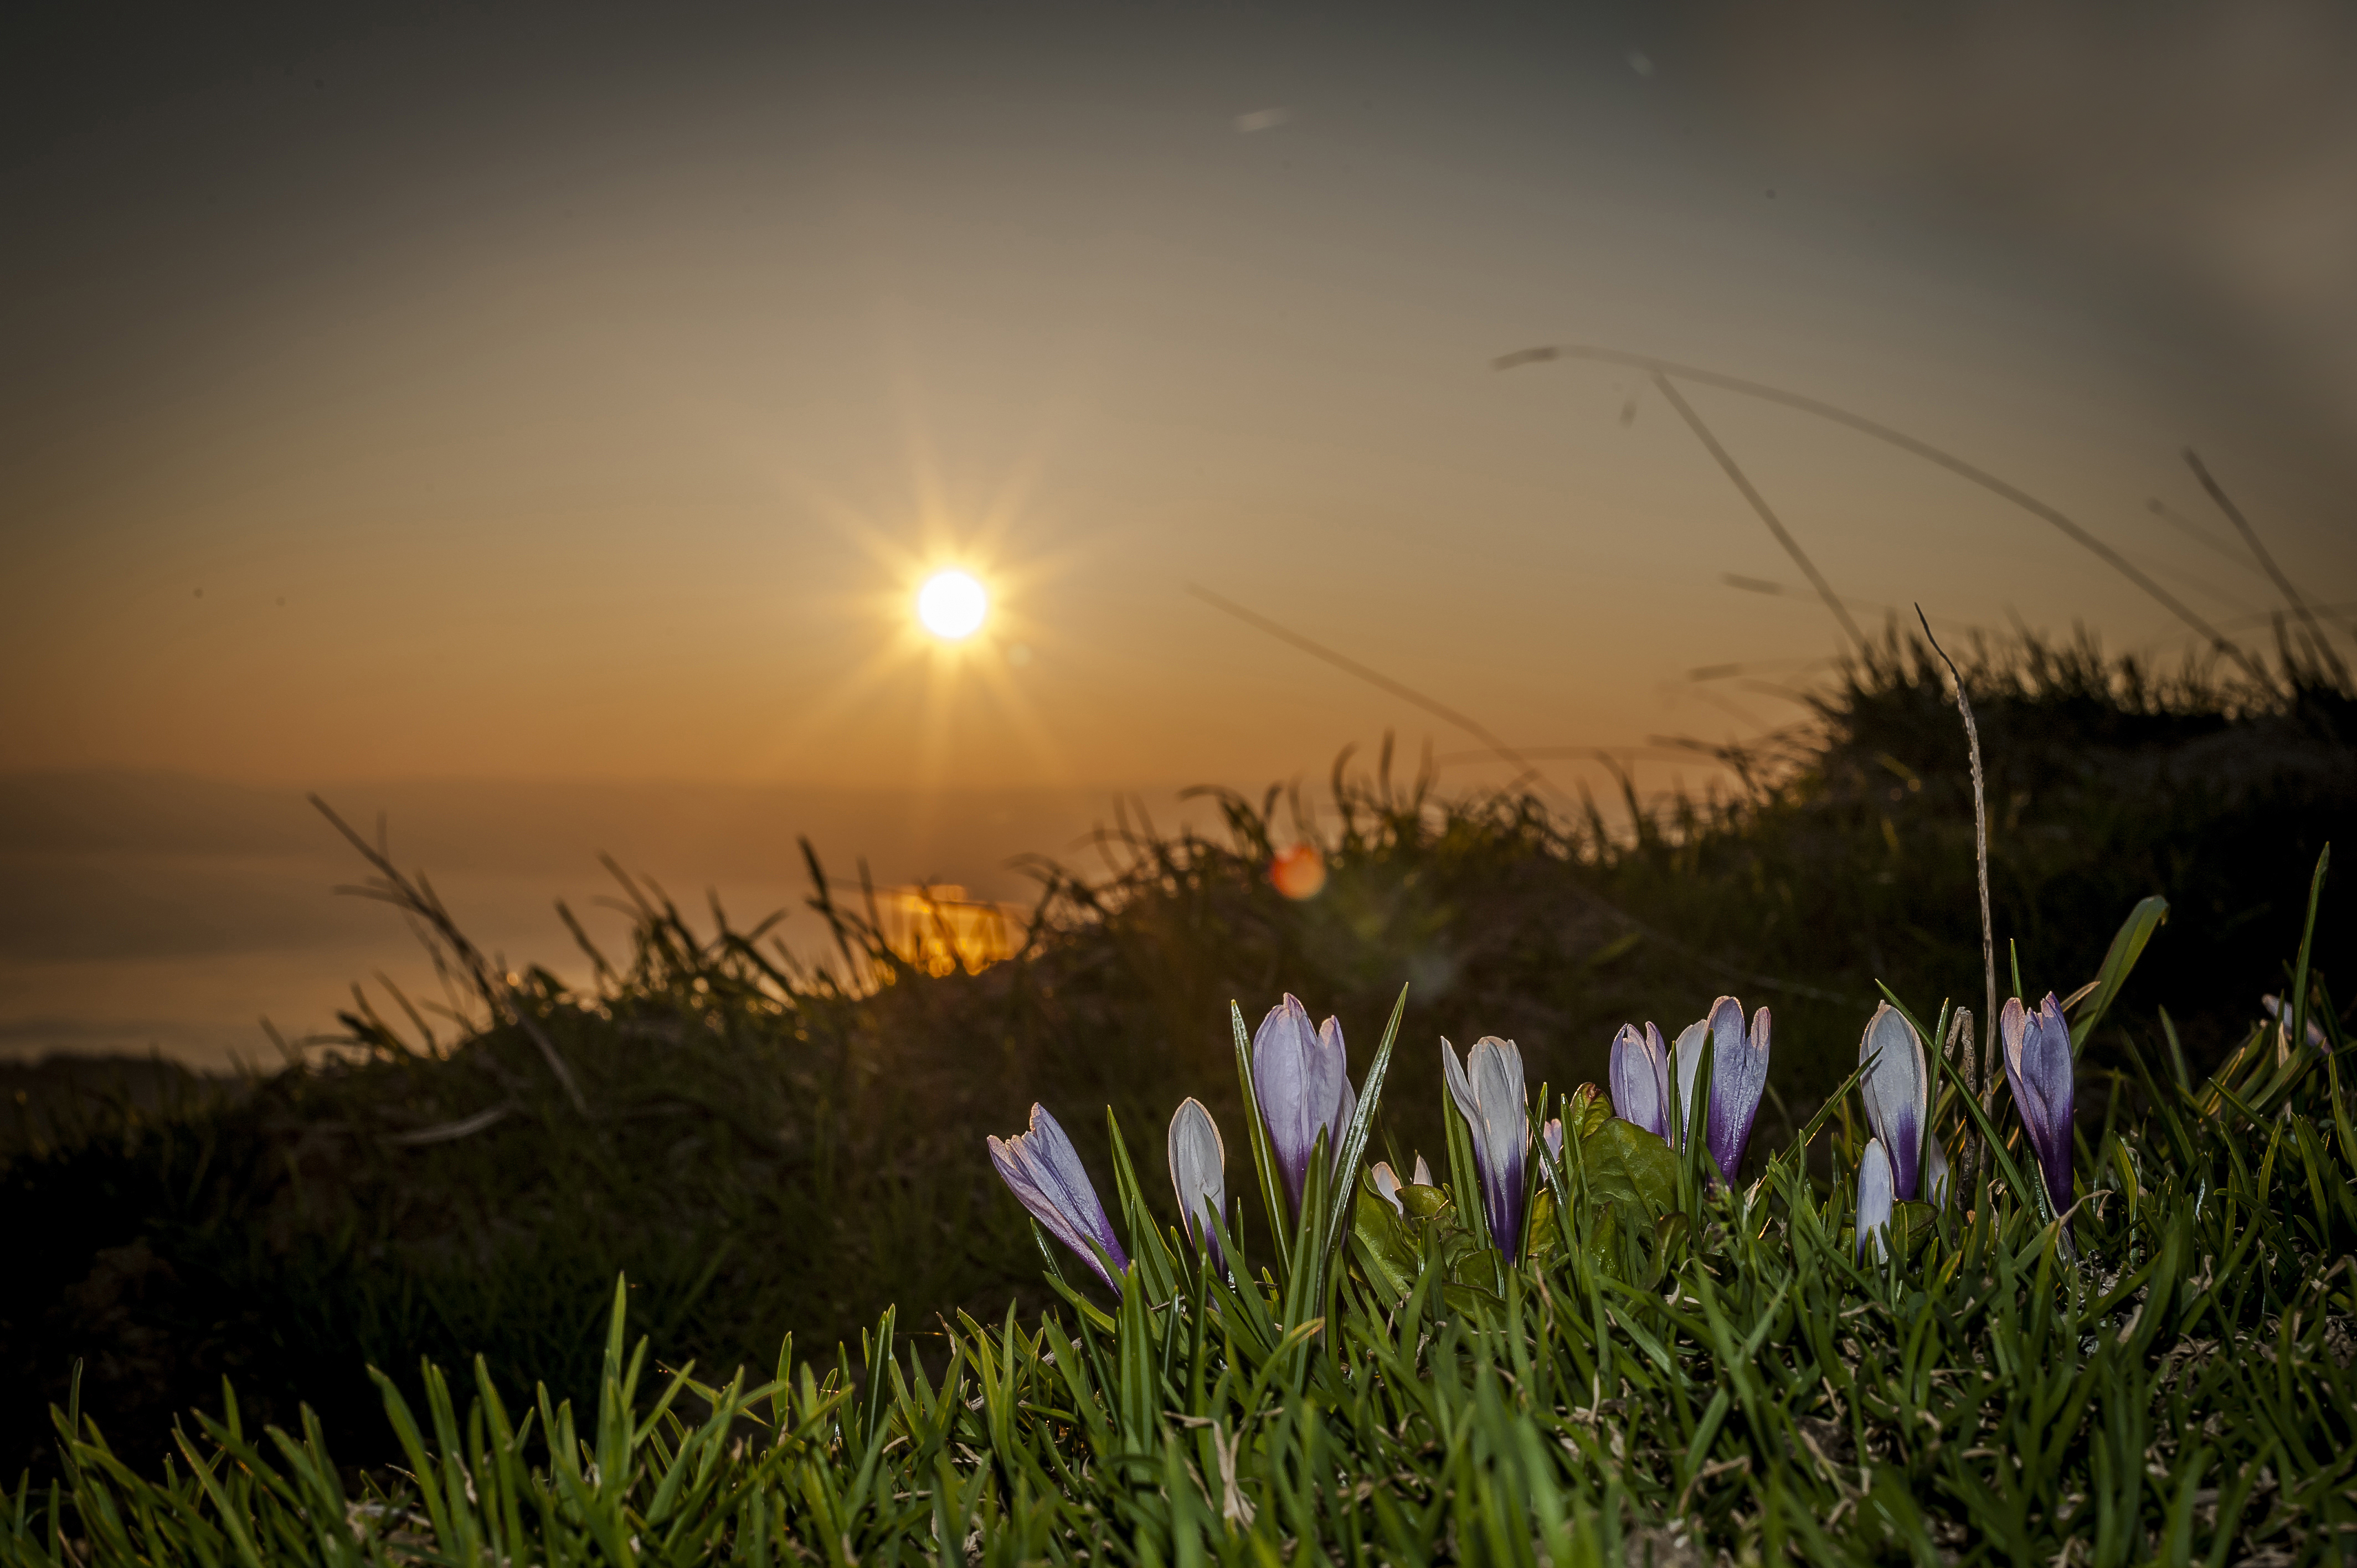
<point x="1898" y="1089"/>
<point x="1553" y="1134"/>
<point x="1198" y="1172"/>
<point x="1640" y="1074"/>
<point x="1388" y="1183"/>
<point x="1935" y="1172"/>
<point x="1491" y="1096"/>
<point x="1874" y="1198"/>
<point x="1044" y="1172"/>
<point x="1301" y="1076"/>
<point x="2038" y="1067"/>
<point x="2273" y="1004"/>
<point x="1738" y="1075"/>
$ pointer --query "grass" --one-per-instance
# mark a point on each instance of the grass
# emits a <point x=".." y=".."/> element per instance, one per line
<point x="1682" y="1373"/>
<point x="769" y="1147"/>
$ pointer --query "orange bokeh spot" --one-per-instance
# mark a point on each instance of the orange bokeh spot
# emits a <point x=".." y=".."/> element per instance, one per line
<point x="1299" y="872"/>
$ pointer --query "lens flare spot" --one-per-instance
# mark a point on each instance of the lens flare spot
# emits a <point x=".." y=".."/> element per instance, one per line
<point x="951" y="605"/>
<point x="1299" y="871"/>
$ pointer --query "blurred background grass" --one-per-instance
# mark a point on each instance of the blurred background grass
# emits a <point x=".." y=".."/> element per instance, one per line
<point x="775" y="1142"/>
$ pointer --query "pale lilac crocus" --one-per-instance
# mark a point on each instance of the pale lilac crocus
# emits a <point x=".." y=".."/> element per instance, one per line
<point x="1388" y="1183"/>
<point x="1898" y="1091"/>
<point x="1553" y="1134"/>
<point x="1874" y="1198"/>
<point x="1044" y="1171"/>
<point x="2039" y="1069"/>
<point x="1301" y="1076"/>
<point x="1738" y="1075"/>
<point x="2274" y="1007"/>
<point x="1640" y="1074"/>
<point x="1490" y="1094"/>
<point x="1199" y="1173"/>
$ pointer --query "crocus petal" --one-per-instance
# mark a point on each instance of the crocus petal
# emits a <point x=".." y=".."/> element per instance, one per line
<point x="2315" y="1032"/>
<point x="1896" y="1088"/>
<point x="1387" y="1185"/>
<point x="1553" y="1131"/>
<point x="1298" y="1078"/>
<point x="1640" y="1076"/>
<point x="1739" y="1077"/>
<point x="1935" y="1172"/>
<point x="1337" y="1059"/>
<point x="1198" y="1172"/>
<point x="1491" y="1095"/>
<point x="1423" y="1173"/>
<point x="1044" y="1172"/>
<point x="1685" y="1066"/>
<point x="2039" y="1069"/>
<point x="1874" y="1198"/>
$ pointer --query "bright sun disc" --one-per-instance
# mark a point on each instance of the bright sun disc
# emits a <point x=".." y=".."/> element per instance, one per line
<point x="951" y="604"/>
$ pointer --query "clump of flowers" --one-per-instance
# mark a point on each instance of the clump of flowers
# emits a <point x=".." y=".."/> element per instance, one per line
<point x="1701" y="1092"/>
<point x="1642" y="1069"/>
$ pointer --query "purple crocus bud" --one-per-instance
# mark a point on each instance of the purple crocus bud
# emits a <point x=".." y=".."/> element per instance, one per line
<point x="1199" y="1173"/>
<point x="1874" y="1197"/>
<point x="1495" y="1102"/>
<point x="1897" y="1093"/>
<point x="1738" y="1075"/>
<point x="1640" y="1075"/>
<point x="1553" y="1134"/>
<point x="1044" y="1171"/>
<point x="2038" y="1067"/>
<point x="1301" y="1076"/>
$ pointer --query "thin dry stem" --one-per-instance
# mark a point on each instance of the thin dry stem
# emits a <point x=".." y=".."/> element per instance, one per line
<point x="1959" y="1048"/>
<point x="1759" y="505"/>
<point x="1980" y="821"/>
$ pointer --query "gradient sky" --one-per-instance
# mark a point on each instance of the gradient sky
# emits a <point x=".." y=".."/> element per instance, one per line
<point x="571" y="394"/>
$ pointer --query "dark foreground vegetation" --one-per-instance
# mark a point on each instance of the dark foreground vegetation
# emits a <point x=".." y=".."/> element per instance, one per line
<point x="761" y="1147"/>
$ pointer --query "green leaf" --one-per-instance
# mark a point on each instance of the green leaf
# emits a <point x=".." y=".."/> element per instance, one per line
<point x="1362" y="1120"/>
<point x="1544" y="1235"/>
<point x="1387" y="1247"/>
<point x="1272" y="1185"/>
<point x="1912" y="1224"/>
<point x="1627" y="1163"/>
<point x="1424" y="1202"/>
<point x="2127" y="946"/>
<point x="1584" y="1111"/>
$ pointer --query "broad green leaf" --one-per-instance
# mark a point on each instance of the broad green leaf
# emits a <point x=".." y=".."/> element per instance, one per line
<point x="1624" y="1162"/>
<point x="1584" y="1110"/>
<point x="1424" y="1202"/>
<point x="1387" y="1247"/>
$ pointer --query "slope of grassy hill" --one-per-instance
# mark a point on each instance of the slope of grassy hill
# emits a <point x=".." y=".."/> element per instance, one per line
<point x="763" y="1146"/>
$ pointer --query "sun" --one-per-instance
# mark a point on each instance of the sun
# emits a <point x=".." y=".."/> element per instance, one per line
<point x="951" y="605"/>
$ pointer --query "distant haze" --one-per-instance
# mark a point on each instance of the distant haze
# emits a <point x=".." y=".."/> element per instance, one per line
<point x="162" y="912"/>
<point x="561" y="403"/>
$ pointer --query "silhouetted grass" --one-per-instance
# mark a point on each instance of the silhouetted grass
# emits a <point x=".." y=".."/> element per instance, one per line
<point x="769" y="1146"/>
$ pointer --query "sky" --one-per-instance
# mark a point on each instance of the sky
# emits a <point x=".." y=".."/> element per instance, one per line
<point x="534" y="422"/>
